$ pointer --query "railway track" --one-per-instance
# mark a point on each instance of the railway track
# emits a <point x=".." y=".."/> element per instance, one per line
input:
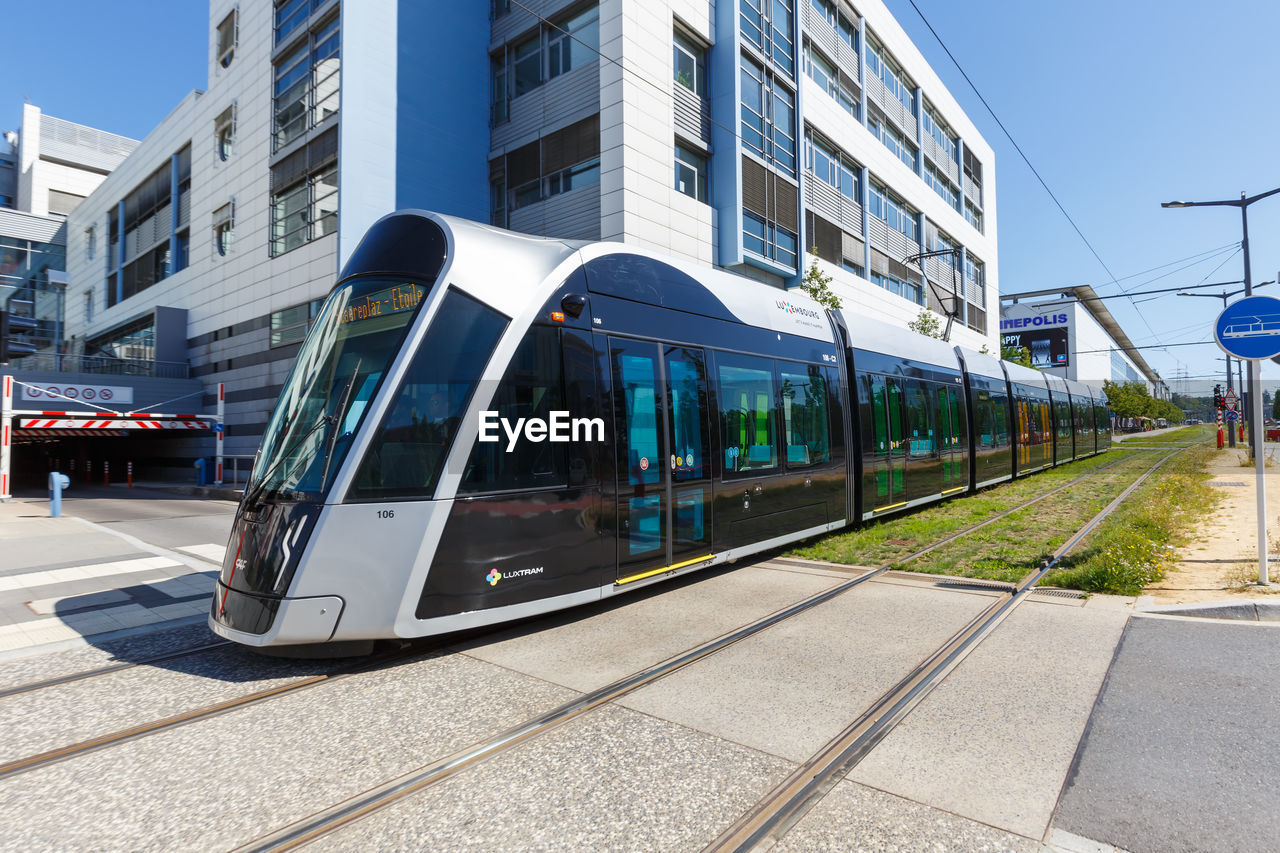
<point x="830" y="763"/>
<point x="383" y="795"/>
<point x="108" y="670"/>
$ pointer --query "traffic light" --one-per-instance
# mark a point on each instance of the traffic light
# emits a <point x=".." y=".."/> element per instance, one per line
<point x="1217" y="397"/>
<point x="11" y="327"/>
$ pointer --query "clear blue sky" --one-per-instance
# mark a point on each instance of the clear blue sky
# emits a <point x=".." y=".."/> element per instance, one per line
<point x="1119" y="105"/>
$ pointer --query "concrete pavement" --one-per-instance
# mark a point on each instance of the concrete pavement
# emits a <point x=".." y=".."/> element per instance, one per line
<point x="63" y="580"/>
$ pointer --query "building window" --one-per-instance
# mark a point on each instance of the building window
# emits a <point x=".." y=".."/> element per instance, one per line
<point x="306" y="83"/>
<point x="553" y="49"/>
<point x="882" y="204"/>
<point x="768" y="117"/>
<point x="91" y="241"/>
<point x="768" y="24"/>
<point x="498" y="8"/>
<point x="574" y="43"/>
<point x="893" y="140"/>
<point x="825" y="74"/>
<point x="154" y="246"/>
<point x="88" y="306"/>
<point x="769" y="240"/>
<point x="228" y="35"/>
<point x="975" y="280"/>
<point x="304" y="211"/>
<point x="292" y="14"/>
<point x="223" y="228"/>
<point x="691" y="172"/>
<point x="290" y="325"/>
<point x="941" y="186"/>
<point x="564" y="160"/>
<point x="690" y="65"/>
<point x="881" y="65"/>
<point x="831" y="166"/>
<point x="845" y="28"/>
<point x="224" y="133"/>
<point x="972" y="214"/>
<point x="938" y="129"/>
<point x="61" y="203"/>
<point x="906" y="289"/>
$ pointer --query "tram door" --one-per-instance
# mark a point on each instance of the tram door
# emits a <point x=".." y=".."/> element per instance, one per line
<point x="885" y="458"/>
<point x="664" y="472"/>
<point x="955" y="464"/>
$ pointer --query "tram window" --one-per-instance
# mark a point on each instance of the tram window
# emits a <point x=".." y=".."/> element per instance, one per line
<point x="805" y="429"/>
<point x="407" y="454"/>
<point x="532" y="388"/>
<point x="746" y="410"/>
<point x="984" y="419"/>
<point x="920" y="431"/>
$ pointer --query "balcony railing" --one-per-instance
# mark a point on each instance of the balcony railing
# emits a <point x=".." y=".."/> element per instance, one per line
<point x="52" y="362"/>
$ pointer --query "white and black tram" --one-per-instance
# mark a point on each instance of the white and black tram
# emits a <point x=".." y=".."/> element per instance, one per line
<point x="482" y="426"/>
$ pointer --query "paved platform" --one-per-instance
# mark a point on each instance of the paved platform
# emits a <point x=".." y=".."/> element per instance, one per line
<point x="67" y="579"/>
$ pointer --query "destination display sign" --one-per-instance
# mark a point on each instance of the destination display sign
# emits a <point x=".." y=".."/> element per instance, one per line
<point x="381" y="303"/>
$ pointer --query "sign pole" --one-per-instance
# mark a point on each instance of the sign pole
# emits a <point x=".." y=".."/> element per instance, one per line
<point x="6" y="434"/>
<point x="222" y="419"/>
<point x="1260" y="459"/>
<point x="1250" y="330"/>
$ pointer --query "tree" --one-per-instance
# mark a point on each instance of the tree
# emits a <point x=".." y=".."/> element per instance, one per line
<point x="927" y="324"/>
<point x="1017" y="355"/>
<point x="1132" y="400"/>
<point x="1275" y="408"/>
<point x="817" y="284"/>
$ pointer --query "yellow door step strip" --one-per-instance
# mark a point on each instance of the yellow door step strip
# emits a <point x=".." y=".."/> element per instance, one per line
<point x="670" y="568"/>
<point x="953" y="491"/>
<point x="889" y="507"/>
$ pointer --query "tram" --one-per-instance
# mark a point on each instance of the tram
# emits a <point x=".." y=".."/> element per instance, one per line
<point x="483" y="426"/>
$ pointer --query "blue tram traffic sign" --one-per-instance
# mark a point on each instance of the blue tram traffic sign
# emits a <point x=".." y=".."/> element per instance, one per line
<point x="1232" y="416"/>
<point x="1250" y="328"/>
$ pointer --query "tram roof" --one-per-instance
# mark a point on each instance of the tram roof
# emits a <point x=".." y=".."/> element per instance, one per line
<point x="872" y="335"/>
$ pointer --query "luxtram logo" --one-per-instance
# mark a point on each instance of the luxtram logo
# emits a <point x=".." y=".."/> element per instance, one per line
<point x="494" y="575"/>
<point x="790" y="308"/>
<point x="559" y="428"/>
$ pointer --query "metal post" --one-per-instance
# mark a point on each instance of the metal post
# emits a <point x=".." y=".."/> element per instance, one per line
<point x="1231" y="431"/>
<point x="1254" y="367"/>
<point x="6" y="435"/>
<point x="1259" y="460"/>
<point x="222" y="417"/>
<point x="129" y="473"/>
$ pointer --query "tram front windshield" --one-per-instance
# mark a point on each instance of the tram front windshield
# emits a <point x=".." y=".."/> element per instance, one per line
<point x="339" y="368"/>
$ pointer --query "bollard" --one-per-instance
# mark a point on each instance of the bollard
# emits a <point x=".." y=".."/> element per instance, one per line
<point x="88" y="470"/>
<point x="200" y="472"/>
<point x="57" y="482"/>
<point x="129" y="473"/>
<point x="106" y="473"/>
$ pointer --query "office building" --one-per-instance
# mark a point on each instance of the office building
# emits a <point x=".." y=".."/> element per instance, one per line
<point x="740" y="135"/>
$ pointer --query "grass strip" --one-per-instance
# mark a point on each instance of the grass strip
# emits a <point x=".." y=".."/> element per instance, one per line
<point x="1015" y="545"/>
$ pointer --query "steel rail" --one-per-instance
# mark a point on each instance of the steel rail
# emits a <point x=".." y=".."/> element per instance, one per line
<point x="22" y="765"/>
<point x="362" y="805"/>
<point x="106" y="670"/>
<point x="764" y="824"/>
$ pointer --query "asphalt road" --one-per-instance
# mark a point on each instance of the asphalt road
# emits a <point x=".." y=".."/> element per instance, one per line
<point x="157" y="517"/>
<point x="1180" y="754"/>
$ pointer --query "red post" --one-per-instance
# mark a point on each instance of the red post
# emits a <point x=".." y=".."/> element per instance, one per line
<point x="1221" y="436"/>
<point x="106" y="473"/>
<point x="129" y="473"/>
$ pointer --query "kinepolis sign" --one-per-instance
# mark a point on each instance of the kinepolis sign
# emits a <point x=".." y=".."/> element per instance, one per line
<point x="1046" y="334"/>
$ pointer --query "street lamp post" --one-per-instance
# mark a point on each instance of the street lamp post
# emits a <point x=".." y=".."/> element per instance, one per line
<point x="1243" y="203"/>
<point x="1255" y="380"/>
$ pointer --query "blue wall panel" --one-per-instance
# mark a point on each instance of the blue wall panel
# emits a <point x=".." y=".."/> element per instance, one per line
<point x="442" y="126"/>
